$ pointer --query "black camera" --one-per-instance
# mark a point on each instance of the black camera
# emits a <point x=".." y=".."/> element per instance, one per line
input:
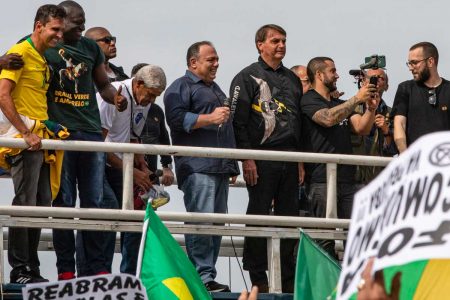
<point x="374" y="62"/>
<point x="374" y="80"/>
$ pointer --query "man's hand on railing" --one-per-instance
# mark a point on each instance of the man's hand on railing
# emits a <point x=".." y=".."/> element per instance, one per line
<point x="250" y="172"/>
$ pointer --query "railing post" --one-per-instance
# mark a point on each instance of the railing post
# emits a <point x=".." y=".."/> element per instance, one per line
<point x="273" y="258"/>
<point x="127" y="195"/>
<point x="331" y="190"/>
<point x="2" y="261"/>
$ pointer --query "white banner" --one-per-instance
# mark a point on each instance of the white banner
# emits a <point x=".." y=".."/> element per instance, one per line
<point x="403" y="215"/>
<point x="102" y="287"/>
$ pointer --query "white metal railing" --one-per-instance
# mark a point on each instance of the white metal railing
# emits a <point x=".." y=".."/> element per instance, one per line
<point x="114" y="220"/>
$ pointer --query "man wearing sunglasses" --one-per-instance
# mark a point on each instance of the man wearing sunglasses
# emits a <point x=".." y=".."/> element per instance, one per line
<point x="23" y="86"/>
<point x="107" y="43"/>
<point x="421" y="104"/>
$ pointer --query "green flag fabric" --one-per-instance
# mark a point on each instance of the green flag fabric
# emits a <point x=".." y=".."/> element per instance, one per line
<point x="165" y="270"/>
<point x="317" y="273"/>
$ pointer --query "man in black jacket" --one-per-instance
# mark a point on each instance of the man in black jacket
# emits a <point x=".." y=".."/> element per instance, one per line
<point x="266" y="103"/>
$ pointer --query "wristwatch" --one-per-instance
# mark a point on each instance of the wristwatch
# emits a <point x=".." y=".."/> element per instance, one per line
<point x="168" y="166"/>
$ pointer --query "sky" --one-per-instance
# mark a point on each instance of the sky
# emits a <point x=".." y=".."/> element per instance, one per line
<point x="159" y="32"/>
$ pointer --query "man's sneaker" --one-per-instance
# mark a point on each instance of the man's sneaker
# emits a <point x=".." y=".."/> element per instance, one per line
<point x="26" y="278"/>
<point x="213" y="286"/>
<point x="66" y="275"/>
<point x="37" y="277"/>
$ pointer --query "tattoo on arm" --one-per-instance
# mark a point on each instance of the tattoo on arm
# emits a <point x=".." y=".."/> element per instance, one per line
<point x="328" y="117"/>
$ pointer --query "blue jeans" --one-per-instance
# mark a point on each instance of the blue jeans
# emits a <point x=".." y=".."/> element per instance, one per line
<point x="129" y="241"/>
<point x="110" y="202"/>
<point x="87" y="170"/>
<point x="206" y="193"/>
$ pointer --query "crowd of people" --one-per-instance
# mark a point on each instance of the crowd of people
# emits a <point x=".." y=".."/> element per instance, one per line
<point x="56" y="74"/>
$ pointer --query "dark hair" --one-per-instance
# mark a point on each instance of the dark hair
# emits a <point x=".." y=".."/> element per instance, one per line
<point x="47" y="11"/>
<point x="261" y="33"/>
<point x="194" y="49"/>
<point x="70" y="4"/>
<point x="316" y="64"/>
<point x="137" y="67"/>
<point x="429" y="50"/>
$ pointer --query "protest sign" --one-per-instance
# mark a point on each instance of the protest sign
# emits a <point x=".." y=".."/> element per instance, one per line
<point x="101" y="287"/>
<point x="403" y="215"/>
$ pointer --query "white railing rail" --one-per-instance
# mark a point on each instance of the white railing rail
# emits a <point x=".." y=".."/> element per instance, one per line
<point x="116" y="220"/>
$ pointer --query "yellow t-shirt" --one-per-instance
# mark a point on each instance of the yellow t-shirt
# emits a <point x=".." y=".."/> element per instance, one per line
<point x="32" y="82"/>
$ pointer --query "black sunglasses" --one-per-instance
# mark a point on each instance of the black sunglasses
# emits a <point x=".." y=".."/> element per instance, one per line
<point x="432" y="97"/>
<point x="107" y="39"/>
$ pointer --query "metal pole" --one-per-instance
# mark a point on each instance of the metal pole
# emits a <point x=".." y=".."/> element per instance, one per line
<point x="2" y="261"/>
<point x="331" y="190"/>
<point x="127" y="196"/>
<point x="273" y="257"/>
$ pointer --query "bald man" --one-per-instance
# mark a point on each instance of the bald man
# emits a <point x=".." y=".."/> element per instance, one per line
<point x="300" y="71"/>
<point x="107" y="42"/>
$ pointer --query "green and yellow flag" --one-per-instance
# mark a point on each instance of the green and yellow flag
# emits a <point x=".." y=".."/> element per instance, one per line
<point x="423" y="279"/>
<point x="317" y="273"/>
<point x="163" y="267"/>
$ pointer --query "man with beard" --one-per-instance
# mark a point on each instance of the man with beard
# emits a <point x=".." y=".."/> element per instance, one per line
<point x="266" y="96"/>
<point x="197" y="116"/>
<point x="327" y="123"/>
<point x="77" y="64"/>
<point x="421" y="104"/>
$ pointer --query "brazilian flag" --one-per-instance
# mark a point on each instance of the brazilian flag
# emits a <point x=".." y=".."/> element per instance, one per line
<point x="317" y="273"/>
<point x="422" y="279"/>
<point x="163" y="267"/>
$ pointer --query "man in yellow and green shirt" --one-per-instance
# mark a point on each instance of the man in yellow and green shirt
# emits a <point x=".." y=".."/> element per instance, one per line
<point x="23" y="102"/>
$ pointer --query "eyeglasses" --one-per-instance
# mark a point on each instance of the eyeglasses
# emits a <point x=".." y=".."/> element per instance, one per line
<point x="432" y="97"/>
<point x="414" y="63"/>
<point x="107" y="39"/>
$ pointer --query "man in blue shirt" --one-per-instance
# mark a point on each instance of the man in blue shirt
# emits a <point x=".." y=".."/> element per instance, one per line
<point x="197" y="116"/>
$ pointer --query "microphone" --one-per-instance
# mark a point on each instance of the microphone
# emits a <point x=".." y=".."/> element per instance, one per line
<point x="155" y="175"/>
<point x="226" y="103"/>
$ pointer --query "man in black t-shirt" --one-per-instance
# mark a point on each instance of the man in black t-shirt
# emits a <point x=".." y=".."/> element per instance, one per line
<point x="326" y="126"/>
<point x="421" y="104"/>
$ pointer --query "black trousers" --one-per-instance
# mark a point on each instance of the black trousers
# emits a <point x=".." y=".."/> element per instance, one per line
<point x="317" y="202"/>
<point x="277" y="183"/>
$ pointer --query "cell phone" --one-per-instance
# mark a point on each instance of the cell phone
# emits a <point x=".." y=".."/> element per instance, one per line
<point x="374" y="80"/>
<point x="380" y="61"/>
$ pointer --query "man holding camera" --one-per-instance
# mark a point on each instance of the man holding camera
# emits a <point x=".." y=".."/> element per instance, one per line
<point x="197" y="114"/>
<point x="327" y="124"/>
<point x="421" y="104"/>
<point x="380" y="141"/>
<point x="125" y="127"/>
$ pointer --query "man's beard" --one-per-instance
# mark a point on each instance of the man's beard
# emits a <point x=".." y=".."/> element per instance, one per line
<point x="423" y="76"/>
<point x="330" y="84"/>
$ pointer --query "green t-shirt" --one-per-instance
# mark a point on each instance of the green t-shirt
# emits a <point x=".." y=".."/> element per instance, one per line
<point x="71" y="95"/>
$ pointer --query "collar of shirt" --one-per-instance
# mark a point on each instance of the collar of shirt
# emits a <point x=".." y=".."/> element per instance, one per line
<point x="193" y="77"/>
<point x="267" y="67"/>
